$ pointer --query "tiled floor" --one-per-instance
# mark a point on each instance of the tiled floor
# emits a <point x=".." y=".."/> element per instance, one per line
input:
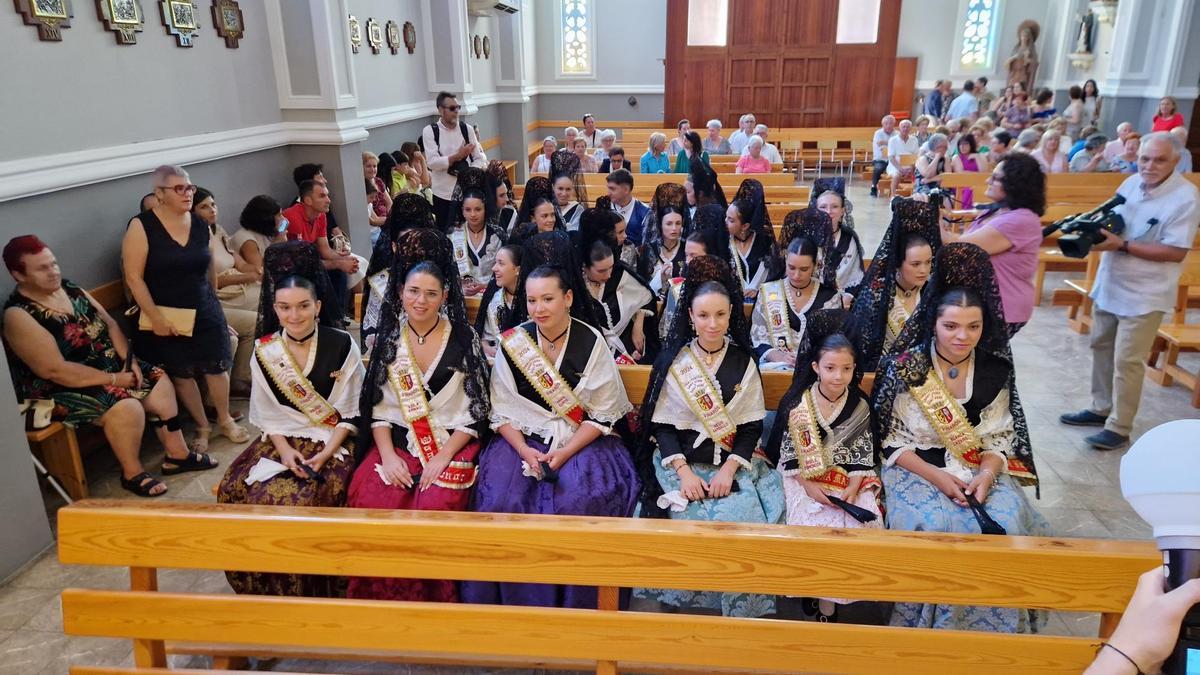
<point x="1080" y="495"/>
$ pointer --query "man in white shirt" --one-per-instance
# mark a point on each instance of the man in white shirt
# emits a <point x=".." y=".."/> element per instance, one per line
<point x="1116" y="148"/>
<point x="965" y="104"/>
<point x="879" y="144"/>
<point x="449" y="145"/>
<point x="903" y="143"/>
<point x="1136" y="285"/>
<point x="740" y="138"/>
<point x="769" y="151"/>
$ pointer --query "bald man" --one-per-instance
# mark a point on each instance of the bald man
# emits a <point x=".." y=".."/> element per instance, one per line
<point x="879" y="143"/>
<point x="1116" y="147"/>
<point x="1136" y="286"/>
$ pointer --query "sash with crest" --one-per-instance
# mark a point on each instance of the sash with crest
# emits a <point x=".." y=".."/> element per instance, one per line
<point x="775" y="303"/>
<point x="703" y="397"/>
<point x="950" y="421"/>
<point x="279" y="365"/>
<point x="459" y="238"/>
<point x="814" y="457"/>
<point x="405" y="379"/>
<point x="897" y="316"/>
<point x="542" y="375"/>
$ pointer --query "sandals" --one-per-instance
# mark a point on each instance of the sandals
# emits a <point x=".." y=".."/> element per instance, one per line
<point x="143" y="485"/>
<point x="195" y="461"/>
<point x="233" y="432"/>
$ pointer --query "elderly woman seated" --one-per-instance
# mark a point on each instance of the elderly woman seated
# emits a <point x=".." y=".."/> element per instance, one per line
<point x="69" y="358"/>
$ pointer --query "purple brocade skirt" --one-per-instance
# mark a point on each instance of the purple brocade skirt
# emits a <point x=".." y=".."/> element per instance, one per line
<point x="599" y="480"/>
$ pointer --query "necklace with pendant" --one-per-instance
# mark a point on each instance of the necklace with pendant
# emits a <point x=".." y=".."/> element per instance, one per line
<point x="799" y="291"/>
<point x="553" y="346"/>
<point x="953" y="372"/>
<point x="710" y="357"/>
<point x="420" y="337"/>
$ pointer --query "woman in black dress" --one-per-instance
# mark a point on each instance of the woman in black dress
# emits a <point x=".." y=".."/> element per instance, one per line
<point x="168" y="268"/>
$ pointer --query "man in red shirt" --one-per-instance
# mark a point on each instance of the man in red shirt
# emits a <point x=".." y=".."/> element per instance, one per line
<point x="307" y="222"/>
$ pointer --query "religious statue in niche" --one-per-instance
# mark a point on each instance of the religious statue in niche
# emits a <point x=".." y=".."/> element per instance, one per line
<point x="1087" y="33"/>
<point x="50" y="17"/>
<point x="1023" y="64"/>
<point x="179" y="17"/>
<point x="123" y="17"/>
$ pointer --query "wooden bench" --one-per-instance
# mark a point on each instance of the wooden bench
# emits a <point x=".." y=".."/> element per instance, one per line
<point x="57" y="445"/>
<point x="1078" y="575"/>
<point x="1174" y="339"/>
<point x="600" y="180"/>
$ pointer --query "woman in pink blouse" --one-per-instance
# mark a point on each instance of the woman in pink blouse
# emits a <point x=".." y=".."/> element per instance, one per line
<point x="1049" y="154"/>
<point x="1011" y="233"/>
<point x="754" y="161"/>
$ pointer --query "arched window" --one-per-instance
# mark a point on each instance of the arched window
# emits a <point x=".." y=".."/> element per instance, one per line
<point x="577" y="43"/>
<point x="979" y="21"/>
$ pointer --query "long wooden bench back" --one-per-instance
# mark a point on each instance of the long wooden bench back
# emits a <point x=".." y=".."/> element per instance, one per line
<point x="600" y="180"/>
<point x="1052" y="574"/>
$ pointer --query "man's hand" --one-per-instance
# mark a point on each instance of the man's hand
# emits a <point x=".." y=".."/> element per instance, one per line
<point x="1111" y="242"/>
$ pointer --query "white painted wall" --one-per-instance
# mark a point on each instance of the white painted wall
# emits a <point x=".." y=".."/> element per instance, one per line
<point x="631" y="39"/>
<point x="385" y="80"/>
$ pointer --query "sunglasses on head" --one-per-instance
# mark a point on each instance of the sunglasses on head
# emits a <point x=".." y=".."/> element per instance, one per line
<point x="185" y="189"/>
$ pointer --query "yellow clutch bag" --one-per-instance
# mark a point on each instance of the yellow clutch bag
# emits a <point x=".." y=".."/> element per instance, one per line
<point x="183" y="319"/>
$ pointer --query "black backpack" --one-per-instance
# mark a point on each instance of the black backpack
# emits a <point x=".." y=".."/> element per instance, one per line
<point x="437" y="140"/>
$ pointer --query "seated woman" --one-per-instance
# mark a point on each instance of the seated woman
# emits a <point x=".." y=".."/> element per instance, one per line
<point x="1127" y="161"/>
<point x="693" y="147"/>
<point x="426" y="390"/>
<point x="496" y="304"/>
<point x="752" y="248"/>
<point x="895" y="282"/>
<point x="932" y="162"/>
<point x="69" y="358"/>
<point x="565" y="172"/>
<point x="626" y="251"/>
<point x="304" y="456"/>
<point x="702" y="419"/>
<point x="953" y="378"/>
<point x="655" y="159"/>
<point x="825" y="446"/>
<point x="556" y="394"/>
<point x="409" y="211"/>
<point x="1050" y="154"/>
<point x="754" y="161"/>
<point x="587" y="164"/>
<point x="702" y="188"/>
<point x="540" y="206"/>
<point x="262" y="224"/>
<point x="968" y="159"/>
<point x="662" y="255"/>
<point x="506" y="214"/>
<point x="782" y="308"/>
<point x="474" y="236"/>
<point x="707" y="238"/>
<point x="829" y="195"/>
<point x="624" y="303"/>
<point x="239" y="284"/>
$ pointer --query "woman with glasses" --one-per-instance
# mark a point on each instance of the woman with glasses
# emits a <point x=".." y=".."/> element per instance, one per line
<point x="169" y="271"/>
<point x="1012" y="233"/>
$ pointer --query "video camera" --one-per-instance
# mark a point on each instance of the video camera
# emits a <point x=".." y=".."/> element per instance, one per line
<point x="937" y="197"/>
<point x="1082" y="230"/>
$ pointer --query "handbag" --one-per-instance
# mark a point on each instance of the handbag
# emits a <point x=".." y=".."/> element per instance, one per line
<point x="182" y="318"/>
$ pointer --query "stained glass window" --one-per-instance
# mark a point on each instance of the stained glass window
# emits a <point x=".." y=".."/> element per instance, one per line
<point x="978" y="35"/>
<point x="577" y="40"/>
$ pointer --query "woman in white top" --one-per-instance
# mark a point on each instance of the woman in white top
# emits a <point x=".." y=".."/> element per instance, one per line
<point x="541" y="163"/>
<point x="565" y="172"/>
<point x="1050" y="155"/>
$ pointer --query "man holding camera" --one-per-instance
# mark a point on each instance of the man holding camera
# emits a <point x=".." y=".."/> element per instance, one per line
<point x="450" y="146"/>
<point x="1136" y="285"/>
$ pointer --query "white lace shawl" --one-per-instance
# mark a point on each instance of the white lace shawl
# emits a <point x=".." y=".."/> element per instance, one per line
<point x="631" y="297"/>
<point x="760" y="332"/>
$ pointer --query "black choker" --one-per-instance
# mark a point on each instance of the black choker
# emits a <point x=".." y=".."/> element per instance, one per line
<point x="421" y="338"/>
<point x="953" y="372"/>
<point x="302" y="340"/>
<point x="907" y="293"/>
<point x="799" y="290"/>
<point x="831" y="400"/>
<point x="741" y="240"/>
<point x="553" y="342"/>
<point x="706" y="351"/>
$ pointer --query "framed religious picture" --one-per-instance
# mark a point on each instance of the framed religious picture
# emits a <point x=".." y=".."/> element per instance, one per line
<point x="477" y="44"/>
<point x="374" y="35"/>
<point x="393" y="36"/>
<point x="355" y="33"/>
<point x="50" y="17"/>
<point x="410" y="37"/>
<point x="487" y="47"/>
<point x="123" y="17"/>
<point x="181" y="18"/>
<point x="227" y="19"/>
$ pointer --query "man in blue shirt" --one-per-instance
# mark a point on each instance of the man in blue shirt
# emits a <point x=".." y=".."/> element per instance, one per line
<point x="966" y="105"/>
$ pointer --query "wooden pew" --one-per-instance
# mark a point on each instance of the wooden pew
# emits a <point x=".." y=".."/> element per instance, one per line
<point x="57" y="445"/>
<point x="1053" y="574"/>
<point x="1178" y="336"/>
<point x="600" y="180"/>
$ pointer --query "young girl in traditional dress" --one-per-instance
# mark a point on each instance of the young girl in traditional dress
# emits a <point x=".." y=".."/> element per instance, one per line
<point x="556" y="394"/>
<point x="496" y="305"/>
<point x="475" y="236"/>
<point x="703" y="419"/>
<point x="624" y="303"/>
<point x="823" y="443"/>
<point x="952" y="427"/>
<point x="305" y="383"/>
<point x="539" y="206"/>
<point x="894" y="284"/>
<point x="427" y="398"/>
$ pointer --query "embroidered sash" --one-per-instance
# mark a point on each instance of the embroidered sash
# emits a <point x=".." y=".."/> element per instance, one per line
<point x="379" y="283"/>
<point x="542" y="375"/>
<point x="459" y="239"/>
<point x="897" y="316"/>
<point x="676" y="287"/>
<point x="703" y="397"/>
<point x="776" y="305"/>
<point x="279" y="365"/>
<point x="409" y="387"/>
<point x="813" y="457"/>
<point x="949" y="420"/>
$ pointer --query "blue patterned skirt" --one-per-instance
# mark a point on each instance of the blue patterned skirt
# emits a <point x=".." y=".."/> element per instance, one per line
<point x="759" y="499"/>
<point x="914" y="504"/>
<point x="598" y="481"/>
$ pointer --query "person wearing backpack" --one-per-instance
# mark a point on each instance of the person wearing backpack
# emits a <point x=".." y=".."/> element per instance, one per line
<point x="450" y="145"/>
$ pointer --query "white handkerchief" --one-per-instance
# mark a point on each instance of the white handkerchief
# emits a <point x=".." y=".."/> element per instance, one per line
<point x="526" y="471"/>
<point x="382" y="477"/>
<point x="265" y="470"/>
<point x="673" y="500"/>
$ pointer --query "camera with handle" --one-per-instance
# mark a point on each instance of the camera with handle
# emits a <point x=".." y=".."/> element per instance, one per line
<point x="1082" y="230"/>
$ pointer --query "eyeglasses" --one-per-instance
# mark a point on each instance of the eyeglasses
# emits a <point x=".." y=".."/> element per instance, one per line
<point x="452" y="108"/>
<point x="181" y="190"/>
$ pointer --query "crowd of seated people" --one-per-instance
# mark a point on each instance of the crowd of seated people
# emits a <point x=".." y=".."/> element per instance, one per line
<point x="524" y="410"/>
